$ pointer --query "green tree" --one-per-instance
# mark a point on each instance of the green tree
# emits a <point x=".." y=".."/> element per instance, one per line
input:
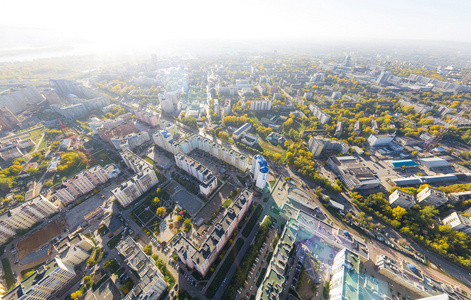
<point x="398" y="213"/>
<point x="161" y="211"/>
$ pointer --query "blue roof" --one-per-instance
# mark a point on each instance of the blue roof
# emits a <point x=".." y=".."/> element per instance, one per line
<point x="400" y="163"/>
<point x="262" y="163"/>
<point x="165" y="133"/>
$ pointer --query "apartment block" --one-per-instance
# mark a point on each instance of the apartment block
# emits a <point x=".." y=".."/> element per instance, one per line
<point x="17" y="99"/>
<point x="317" y="112"/>
<point x="7" y="119"/>
<point x="44" y="282"/>
<point x="458" y="222"/>
<point x="164" y="140"/>
<point x="81" y="184"/>
<point x="120" y="128"/>
<point x="431" y="196"/>
<point x="405" y="274"/>
<point x="147" y="116"/>
<point x="143" y="179"/>
<point x="24" y="216"/>
<point x="402" y="199"/>
<point x="201" y="259"/>
<point x="318" y="144"/>
<point x="130" y="141"/>
<point x="151" y="285"/>
<point x="208" y="182"/>
<point x="73" y="249"/>
<point x="260" y="105"/>
<point x="345" y="280"/>
<point x="259" y="171"/>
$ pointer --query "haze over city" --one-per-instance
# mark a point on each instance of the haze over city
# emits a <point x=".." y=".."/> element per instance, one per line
<point x="248" y="150"/>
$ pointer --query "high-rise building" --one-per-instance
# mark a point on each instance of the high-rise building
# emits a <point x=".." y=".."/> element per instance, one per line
<point x="260" y="105"/>
<point x="143" y="179"/>
<point x="147" y="116"/>
<point x="202" y="258"/>
<point x="345" y="281"/>
<point x="383" y="77"/>
<point x="16" y="99"/>
<point x="208" y="183"/>
<point x="7" y="119"/>
<point x="259" y="171"/>
<point x="44" y="282"/>
<point x="24" y="216"/>
<point x="151" y="284"/>
<point x="164" y="139"/>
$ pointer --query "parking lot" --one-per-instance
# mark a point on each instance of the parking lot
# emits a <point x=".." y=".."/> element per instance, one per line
<point x="250" y="285"/>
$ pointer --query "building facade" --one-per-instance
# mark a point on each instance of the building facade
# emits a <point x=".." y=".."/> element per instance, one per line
<point x="259" y="171"/>
<point x="208" y="182"/>
<point x="431" y="196"/>
<point x="24" y="216"/>
<point x="402" y="199"/>
<point x="202" y="258"/>
<point x="81" y="183"/>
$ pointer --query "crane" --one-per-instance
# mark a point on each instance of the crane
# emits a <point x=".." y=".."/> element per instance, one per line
<point x="430" y="144"/>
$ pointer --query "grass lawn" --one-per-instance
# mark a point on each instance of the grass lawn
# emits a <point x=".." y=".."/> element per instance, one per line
<point x="10" y="280"/>
<point x="146" y="216"/>
<point x="226" y="265"/>
<point x="147" y="159"/>
<point x="251" y="223"/>
<point x="227" y="203"/>
<point x="103" y="230"/>
<point x="81" y="166"/>
<point x="272" y="183"/>
<point x="260" y="278"/>
<point x="43" y="145"/>
<point x="270" y="148"/>
<point x="114" y="241"/>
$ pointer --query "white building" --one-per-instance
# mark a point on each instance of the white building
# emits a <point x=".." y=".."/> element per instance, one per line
<point x="130" y="141"/>
<point x="434" y="162"/>
<point x="402" y="199"/>
<point x="201" y="258"/>
<point x="165" y="141"/>
<point x="317" y="112"/>
<point x="259" y="171"/>
<point x="431" y="196"/>
<point x="147" y="116"/>
<point x="345" y="283"/>
<point x="260" y="105"/>
<point x="317" y="77"/>
<point x="379" y="140"/>
<point x="241" y="130"/>
<point x="352" y="173"/>
<point x="208" y="182"/>
<point x="24" y="216"/>
<point x="151" y="283"/>
<point x="44" y="282"/>
<point x="458" y="222"/>
<point x="143" y="179"/>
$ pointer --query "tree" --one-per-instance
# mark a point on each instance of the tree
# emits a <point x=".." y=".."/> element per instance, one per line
<point x="6" y="183"/>
<point x="155" y="201"/>
<point x="187" y="224"/>
<point x="148" y="249"/>
<point x="161" y="211"/>
<point x="157" y="191"/>
<point x="48" y="183"/>
<point x="76" y="294"/>
<point x="398" y="213"/>
<point x="88" y="281"/>
<point x="109" y="263"/>
<point x="179" y="218"/>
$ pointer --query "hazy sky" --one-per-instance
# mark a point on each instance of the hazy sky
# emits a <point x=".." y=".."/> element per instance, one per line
<point x="141" y="21"/>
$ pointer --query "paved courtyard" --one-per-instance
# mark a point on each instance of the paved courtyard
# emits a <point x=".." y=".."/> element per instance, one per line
<point x="188" y="202"/>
